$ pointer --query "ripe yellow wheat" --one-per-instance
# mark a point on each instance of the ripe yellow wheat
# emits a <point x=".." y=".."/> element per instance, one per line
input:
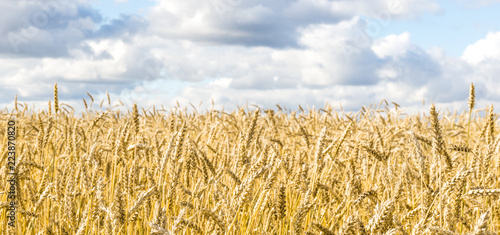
<point x="254" y="171"/>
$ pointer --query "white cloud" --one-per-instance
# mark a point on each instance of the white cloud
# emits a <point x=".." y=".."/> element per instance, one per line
<point x="222" y="82"/>
<point x="483" y="50"/>
<point x="392" y="45"/>
<point x="412" y="8"/>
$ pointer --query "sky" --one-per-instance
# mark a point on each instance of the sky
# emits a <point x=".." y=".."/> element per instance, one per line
<point x="346" y="53"/>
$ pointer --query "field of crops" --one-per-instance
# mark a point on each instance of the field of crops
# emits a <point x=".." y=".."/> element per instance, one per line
<point x="252" y="171"/>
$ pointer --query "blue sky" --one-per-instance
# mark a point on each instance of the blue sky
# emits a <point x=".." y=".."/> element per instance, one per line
<point x="112" y="9"/>
<point x="289" y="52"/>
<point x="453" y="28"/>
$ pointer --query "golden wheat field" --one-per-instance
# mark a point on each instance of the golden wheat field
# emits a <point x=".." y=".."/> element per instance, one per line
<point x="252" y="171"/>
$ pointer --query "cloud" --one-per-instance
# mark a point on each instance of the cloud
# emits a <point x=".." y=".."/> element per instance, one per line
<point x="315" y="74"/>
<point x="405" y="74"/>
<point x="56" y="28"/>
<point x="267" y="23"/>
<point x="483" y="56"/>
<point x="260" y="52"/>
<point x="484" y="50"/>
<point x="393" y="45"/>
<point x="44" y="29"/>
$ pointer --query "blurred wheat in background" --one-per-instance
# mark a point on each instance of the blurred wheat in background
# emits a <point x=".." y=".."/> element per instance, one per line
<point x="253" y="171"/>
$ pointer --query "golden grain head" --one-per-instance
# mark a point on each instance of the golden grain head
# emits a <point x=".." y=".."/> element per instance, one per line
<point x="472" y="97"/>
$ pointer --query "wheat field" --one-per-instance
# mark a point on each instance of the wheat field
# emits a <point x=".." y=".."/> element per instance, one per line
<point x="253" y="171"/>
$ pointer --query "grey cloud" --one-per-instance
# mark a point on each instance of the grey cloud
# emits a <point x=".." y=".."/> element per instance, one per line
<point x="416" y="67"/>
<point x="44" y="29"/>
<point x="54" y="28"/>
<point x="263" y="23"/>
<point x="361" y="70"/>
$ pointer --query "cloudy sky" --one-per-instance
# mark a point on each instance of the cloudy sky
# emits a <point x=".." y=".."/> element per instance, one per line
<point x="258" y="52"/>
